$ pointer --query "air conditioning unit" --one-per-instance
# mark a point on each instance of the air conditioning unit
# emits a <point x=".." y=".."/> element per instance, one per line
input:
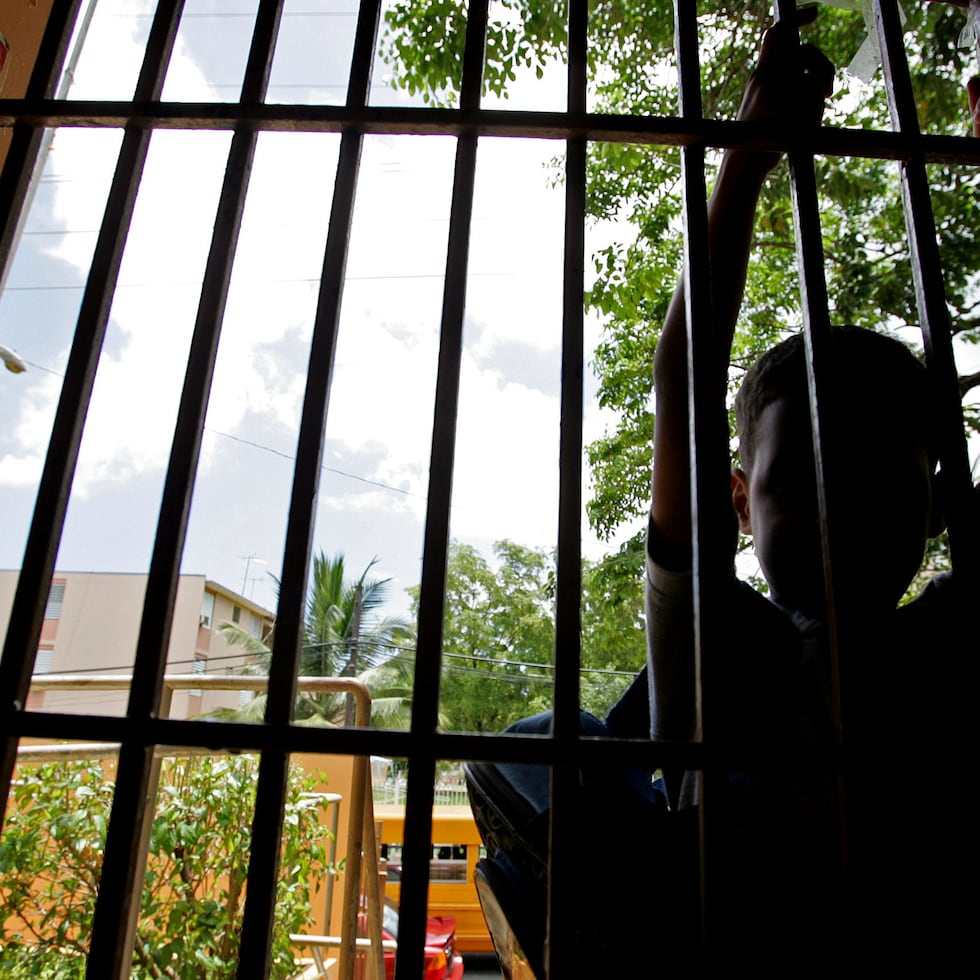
<point x="205" y="622"/>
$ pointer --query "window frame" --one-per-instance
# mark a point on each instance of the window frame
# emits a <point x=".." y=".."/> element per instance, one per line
<point x="423" y="745"/>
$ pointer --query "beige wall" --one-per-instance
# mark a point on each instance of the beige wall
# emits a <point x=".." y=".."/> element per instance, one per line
<point x="98" y="630"/>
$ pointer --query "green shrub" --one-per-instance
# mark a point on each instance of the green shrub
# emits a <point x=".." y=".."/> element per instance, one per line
<point x="193" y="897"/>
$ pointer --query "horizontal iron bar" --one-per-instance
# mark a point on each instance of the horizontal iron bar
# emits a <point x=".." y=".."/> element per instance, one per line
<point x="529" y="749"/>
<point x="655" y="130"/>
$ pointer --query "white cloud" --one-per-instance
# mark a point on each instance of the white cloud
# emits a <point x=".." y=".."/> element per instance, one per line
<point x="20" y="471"/>
<point x="381" y="408"/>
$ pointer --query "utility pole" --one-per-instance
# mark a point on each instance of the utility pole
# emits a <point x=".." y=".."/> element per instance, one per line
<point x="352" y="663"/>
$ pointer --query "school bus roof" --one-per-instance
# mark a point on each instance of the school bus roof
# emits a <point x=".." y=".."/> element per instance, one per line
<point x="455" y="820"/>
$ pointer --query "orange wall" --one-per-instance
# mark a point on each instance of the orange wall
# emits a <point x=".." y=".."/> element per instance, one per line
<point x="22" y="22"/>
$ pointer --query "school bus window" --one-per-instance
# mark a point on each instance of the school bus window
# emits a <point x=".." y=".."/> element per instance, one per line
<point x="448" y="862"/>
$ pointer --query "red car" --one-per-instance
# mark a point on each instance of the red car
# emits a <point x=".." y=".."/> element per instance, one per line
<point x="442" y="962"/>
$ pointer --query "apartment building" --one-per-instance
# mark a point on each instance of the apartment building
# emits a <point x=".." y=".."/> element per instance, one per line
<point x="91" y="625"/>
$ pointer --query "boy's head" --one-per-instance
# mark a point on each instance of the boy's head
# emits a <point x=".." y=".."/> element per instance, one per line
<point x="880" y="453"/>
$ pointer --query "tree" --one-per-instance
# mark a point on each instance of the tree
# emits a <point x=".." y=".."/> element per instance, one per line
<point x="632" y="70"/>
<point x="613" y="632"/>
<point x="499" y="638"/>
<point x="194" y="888"/>
<point x="498" y="623"/>
<point x="344" y="635"/>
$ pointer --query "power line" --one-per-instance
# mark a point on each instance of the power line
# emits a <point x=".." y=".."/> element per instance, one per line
<point x="362" y="641"/>
<point x="329" y="469"/>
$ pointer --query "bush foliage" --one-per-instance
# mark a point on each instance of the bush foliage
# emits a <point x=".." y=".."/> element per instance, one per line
<point x="194" y="889"/>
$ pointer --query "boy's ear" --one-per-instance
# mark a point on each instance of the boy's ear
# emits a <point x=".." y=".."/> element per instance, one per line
<point x="937" y="519"/>
<point x="740" y="500"/>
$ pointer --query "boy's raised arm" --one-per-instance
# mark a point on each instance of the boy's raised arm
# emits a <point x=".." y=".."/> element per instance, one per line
<point x="788" y="87"/>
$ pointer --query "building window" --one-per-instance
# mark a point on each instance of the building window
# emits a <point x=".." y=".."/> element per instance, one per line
<point x="207" y="610"/>
<point x="236" y="614"/>
<point x="255" y="626"/>
<point x="42" y="665"/>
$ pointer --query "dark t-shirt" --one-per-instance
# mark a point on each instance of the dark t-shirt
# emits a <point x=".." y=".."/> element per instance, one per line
<point x="812" y="861"/>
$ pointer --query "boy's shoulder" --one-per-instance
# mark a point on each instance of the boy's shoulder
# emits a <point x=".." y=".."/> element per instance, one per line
<point x="939" y="617"/>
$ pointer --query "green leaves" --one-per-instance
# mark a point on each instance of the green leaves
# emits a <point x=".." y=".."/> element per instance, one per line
<point x="632" y="69"/>
<point x="192" y="901"/>
<point x="499" y="636"/>
<point x="345" y="634"/>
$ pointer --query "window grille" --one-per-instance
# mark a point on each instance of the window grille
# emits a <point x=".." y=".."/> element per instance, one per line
<point x="30" y="119"/>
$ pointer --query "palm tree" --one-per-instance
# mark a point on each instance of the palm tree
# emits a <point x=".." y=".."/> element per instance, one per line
<point x="344" y="636"/>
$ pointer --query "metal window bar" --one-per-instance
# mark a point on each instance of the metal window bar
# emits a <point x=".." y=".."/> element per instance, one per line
<point x="425" y="699"/>
<point x="562" y="958"/>
<point x="138" y="772"/>
<point x="52" y="500"/>
<point x="964" y="532"/>
<point x="146" y="726"/>
<point x="26" y="139"/>
<point x="708" y="425"/>
<point x="258" y="921"/>
<point x="816" y="335"/>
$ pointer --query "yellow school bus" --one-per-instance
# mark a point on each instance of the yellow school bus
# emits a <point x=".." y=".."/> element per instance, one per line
<point x="456" y="847"/>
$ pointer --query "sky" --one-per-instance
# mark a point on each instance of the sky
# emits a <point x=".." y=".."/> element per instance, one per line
<point x="372" y="495"/>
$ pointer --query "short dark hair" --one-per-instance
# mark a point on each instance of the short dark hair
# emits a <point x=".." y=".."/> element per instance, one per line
<point x="862" y="361"/>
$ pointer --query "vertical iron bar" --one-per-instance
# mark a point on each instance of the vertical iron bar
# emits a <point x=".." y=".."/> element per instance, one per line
<point x="930" y="296"/>
<point x="816" y="335"/>
<point x="816" y="329"/>
<point x="425" y="700"/>
<point x="569" y="572"/>
<point x="428" y="661"/>
<point x="27" y="612"/>
<point x="19" y="651"/>
<point x="708" y="444"/>
<point x="562" y="954"/>
<point x="138" y="772"/>
<point x="421" y="774"/>
<point x="258" y="921"/>
<point x="26" y="140"/>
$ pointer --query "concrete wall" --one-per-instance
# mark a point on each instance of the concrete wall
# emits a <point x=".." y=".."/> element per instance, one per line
<point x="98" y="629"/>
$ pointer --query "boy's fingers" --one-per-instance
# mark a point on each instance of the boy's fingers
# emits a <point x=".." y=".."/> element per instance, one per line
<point x="818" y="68"/>
<point x="787" y="27"/>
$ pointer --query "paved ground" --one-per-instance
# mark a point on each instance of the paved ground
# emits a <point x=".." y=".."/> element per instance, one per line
<point x="478" y="966"/>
